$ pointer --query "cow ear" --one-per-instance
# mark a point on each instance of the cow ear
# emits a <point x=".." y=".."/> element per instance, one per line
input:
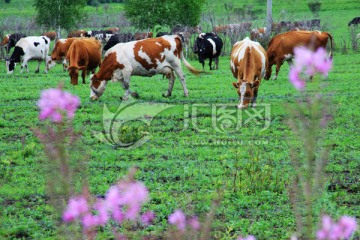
<point x="255" y="84"/>
<point x="236" y="85"/>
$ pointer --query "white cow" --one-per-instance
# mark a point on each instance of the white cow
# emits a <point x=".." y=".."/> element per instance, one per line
<point x="29" y="48"/>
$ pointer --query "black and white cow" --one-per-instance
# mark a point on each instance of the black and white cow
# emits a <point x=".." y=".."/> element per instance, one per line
<point x="29" y="48"/>
<point x="12" y="40"/>
<point x="118" y="38"/>
<point x="208" y="45"/>
<point x="355" y="21"/>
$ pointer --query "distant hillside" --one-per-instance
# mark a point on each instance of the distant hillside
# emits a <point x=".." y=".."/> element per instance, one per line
<point x="334" y="14"/>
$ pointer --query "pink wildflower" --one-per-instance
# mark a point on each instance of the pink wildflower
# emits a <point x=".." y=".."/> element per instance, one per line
<point x="308" y="63"/>
<point x="54" y="102"/>
<point x="348" y="226"/>
<point x="147" y="218"/>
<point x="89" y="221"/>
<point x="250" y="237"/>
<point x="134" y="192"/>
<point x="295" y="78"/>
<point x="336" y="231"/>
<point x="194" y="223"/>
<point x="102" y="217"/>
<point x="178" y="218"/>
<point x="76" y="207"/>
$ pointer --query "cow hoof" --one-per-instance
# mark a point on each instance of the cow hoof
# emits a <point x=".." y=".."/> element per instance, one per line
<point x="94" y="98"/>
<point x="166" y="95"/>
<point x="37" y="71"/>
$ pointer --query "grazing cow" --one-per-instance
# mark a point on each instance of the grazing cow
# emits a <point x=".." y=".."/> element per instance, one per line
<point x="29" y="48"/>
<point x="59" y="53"/>
<point x="50" y="35"/>
<point x="113" y="30"/>
<point x="5" y="40"/>
<point x="84" y="54"/>
<point x="281" y="47"/>
<point x="142" y="58"/>
<point x="248" y="65"/>
<point x="160" y="34"/>
<point x="355" y="21"/>
<point x="10" y="40"/>
<point x="77" y="33"/>
<point x="118" y="38"/>
<point x="142" y="35"/>
<point x="208" y="45"/>
<point x="257" y="33"/>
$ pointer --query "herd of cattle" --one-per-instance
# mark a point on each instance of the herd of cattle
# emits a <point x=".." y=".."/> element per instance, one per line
<point x="140" y="54"/>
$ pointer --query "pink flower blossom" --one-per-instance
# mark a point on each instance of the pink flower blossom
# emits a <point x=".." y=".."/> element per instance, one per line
<point x="194" y="223"/>
<point x="147" y="218"/>
<point x="295" y="79"/>
<point x="178" y="218"/>
<point x="76" y="207"/>
<point x="102" y="217"/>
<point x="343" y="229"/>
<point x="250" y="237"/>
<point x="308" y="63"/>
<point x="89" y="221"/>
<point x="54" y="102"/>
<point x="134" y="193"/>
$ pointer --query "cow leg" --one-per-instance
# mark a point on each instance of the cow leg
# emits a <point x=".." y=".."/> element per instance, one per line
<point x="38" y="67"/>
<point x="181" y="77"/>
<point x="210" y="62"/>
<point x="126" y="86"/>
<point x="278" y="65"/>
<point x="65" y="65"/>
<point x="24" y="65"/>
<point x="253" y="100"/>
<point x="216" y="60"/>
<point x="171" y="77"/>
<point x="83" y="74"/>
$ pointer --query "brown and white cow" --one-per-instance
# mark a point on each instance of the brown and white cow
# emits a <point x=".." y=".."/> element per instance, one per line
<point x="77" y="33"/>
<point x="59" y="53"/>
<point x="5" y="40"/>
<point x="142" y="35"/>
<point x="257" y="33"/>
<point x="146" y="58"/>
<point x="281" y="47"/>
<point x="248" y="65"/>
<point x="84" y="54"/>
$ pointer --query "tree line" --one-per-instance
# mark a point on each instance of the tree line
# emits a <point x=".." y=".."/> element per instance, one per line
<point x="66" y="14"/>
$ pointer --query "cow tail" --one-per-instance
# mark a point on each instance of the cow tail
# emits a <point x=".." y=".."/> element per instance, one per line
<point x="331" y="45"/>
<point x="179" y="44"/>
<point x="188" y="66"/>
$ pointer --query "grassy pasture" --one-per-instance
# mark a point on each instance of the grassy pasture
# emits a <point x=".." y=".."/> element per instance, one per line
<point x="181" y="167"/>
<point x="186" y="167"/>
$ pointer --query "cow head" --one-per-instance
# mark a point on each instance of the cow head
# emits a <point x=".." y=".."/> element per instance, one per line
<point x="246" y="92"/>
<point x="49" y="63"/>
<point x="10" y="65"/>
<point x="197" y="45"/>
<point x="97" y="87"/>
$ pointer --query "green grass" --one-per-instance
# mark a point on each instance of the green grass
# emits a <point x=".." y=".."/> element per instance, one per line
<point x="179" y="174"/>
<point x="182" y="167"/>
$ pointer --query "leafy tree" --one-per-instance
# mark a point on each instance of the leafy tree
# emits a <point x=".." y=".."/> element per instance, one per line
<point x="58" y="14"/>
<point x="146" y="14"/>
